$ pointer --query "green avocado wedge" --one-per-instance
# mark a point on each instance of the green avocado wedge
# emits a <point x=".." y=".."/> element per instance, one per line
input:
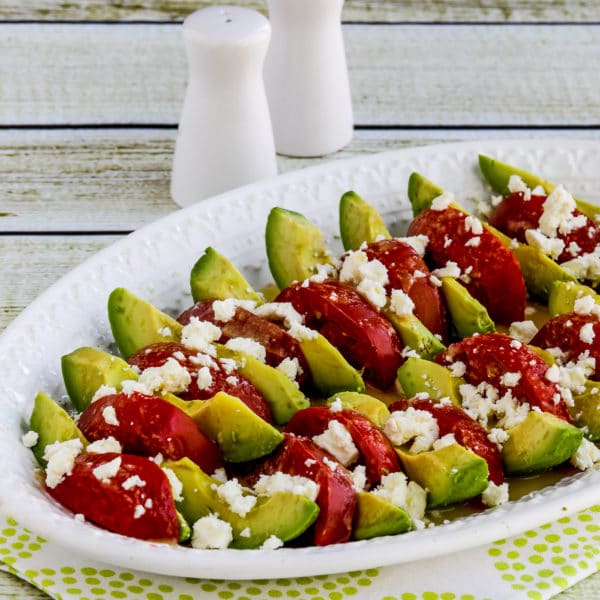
<point x="423" y="376"/>
<point x="467" y="314"/>
<point x="415" y="335"/>
<point x="238" y="431"/>
<point x="586" y="410"/>
<point x="498" y="173"/>
<point x="375" y="517"/>
<point x="359" y="222"/>
<point x="215" y="277"/>
<point x="284" y="515"/>
<point x="539" y="442"/>
<point x="86" y="369"/>
<point x="450" y="474"/>
<point x="563" y="295"/>
<point x="295" y="247"/>
<point x="421" y="193"/>
<point x="375" y="410"/>
<point x="135" y="323"/>
<point x="282" y="395"/>
<point x="52" y="424"/>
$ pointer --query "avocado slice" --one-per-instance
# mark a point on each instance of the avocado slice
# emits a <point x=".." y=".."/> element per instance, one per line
<point x="450" y="474"/>
<point x="185" y="531"/>
<point x="86" y="369"/>
<point x="215" y="277"/>
<point x="136" y="323"/>
<point x="189" y="407"/>
<point x="539" y="442"/>
<point x="375" y="516"/>
<point x="421" y="193"/>
<point x="359" y="222"/>
<point x="417" y="376"/>
<point x="282" y="395"/>
<point x="563" y="295"/>
<point x="283" y="514"/>
<point x="329" y="370"/>
<point x="295" y="247"/>
<point x="375" y="410"/>
<point x="238" y="431"/>
<point x="497" y="174"/>
<point x="586" y="410"/>
<point x="468" y="315"/>
<point x="415" y="335"/>
<point x="52" y="424"/>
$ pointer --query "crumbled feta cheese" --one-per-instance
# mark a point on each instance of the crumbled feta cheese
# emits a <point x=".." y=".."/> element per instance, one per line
<point x="523" y="331"/>
<point x="103" y="390"/>
<point x="442" y="202"/>
<point x="516" y="184"/>
<point x="176" y="485"/>
<point x="435" y="280"/>
<point x="232" y="380"/>
<point x="204" y="378"/>
<point x="401" y="303"/>
<point x="573" y="248"/>
<point x="30" y="439"/>
<point x="249" y="347"/>
<point x="558" y="213"/>
<point x="587" y="334"/>
<point x="369" y="276"/>
<point x="408" y="352"/>
<point x="280" y="310"/>
<point x="245" y="533"/>
<point x="418" y="242"/>
<point x="498" y="436"/>
<point x="446" y="440"/>
<point x="170" y="377"/>
<point x="302" y="333"/>
<point x="267" y="485"/>
<point x="586" y="305"/>
<point x="199" y="335"/>
<point x="373" y="291"/>
<point x="332" y="464"/>
<point x="495" y="495"/>
<point x="110" y="416"/>
<point x="324" y="271"/>
<point x="290" y="367"/>
<point x="80" y="518"/>
<point x="336" y="440"/>
<point x="158" y="459"/>
<point x="473" y="242"/>
<point x="138" y="511"/>
<point x="107" y="470"/>
<point x="587" y="455"/>
<point x="551" y="246"/>
<point x="60" y="457"/>
<point x="447" y="241"/>
<point x="538" y="190"/>
<point x="164" y="331"/>
<point x="272" y="543"/>
<point x="496" y="200"/>
<point x="396" y="489"/>
<point x="457" y="368"/>
<point x="133" y="482"/>
<point x="203" y="360"/>
<point x="225" y="309"/>
<point x="211" y="532"/>
<point x="359" y="478"/>
<point x="336" y="405"/>
<point x="309" y="462"/>
<point x="451" y="269"/>
<point x="412" y="424"/>
<point x="473" y="224"/>
<point x="229" y="365"/>
<point x="148" y="503"/>
<point x="232" y="493"/>
<point x="129" y="386"/>
<point x="483" y="401"/>
<point x="220" y="475"/>
<point x="109" y="444"/>
<point x="510" y="379"/>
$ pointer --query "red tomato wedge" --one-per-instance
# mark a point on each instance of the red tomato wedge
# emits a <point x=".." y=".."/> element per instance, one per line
<point x="278" y="343"/>
<point x="224" y="379"/>
<point x="574" y="334"/>
<point x="494" y="275"/>
<point x="489" y="356"/>
<point x="143" y="511"/>
<point x="375" y="449"/>
<point x="148" y="425"/>
<point x="514" y="215"/>
<point x="349" y="322"/>
<point x="467" y="432"/>
<point x="408" y="272"/>
<point x="336" y="497"/>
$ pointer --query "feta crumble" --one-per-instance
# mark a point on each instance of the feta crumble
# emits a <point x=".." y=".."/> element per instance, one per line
<point x="133" y="482"/>
<point x="446" y="440"/>
<point x="495" y="495"/>
<point x="267" y="485"/>
<point x="336" y="440"/>
<point x="418" y="426"/>
<point x="290" y="367"/>
<point x="30" y="439"/>
<point x="108" y="470"/>
<point x="587" y="334"/>
<point x="510" y="379"/>
<point x="442" y="202"/>
<point x="248" y="346"/>
<point x="210" y="532"/>
<point x="109" y="444"/>
<point x="204" y="378"/>
<point x="231" y="492"/>
<point x="110" y="416"/>
<point x="523" y="331"/>
<point x="103" y="390"/>
<point x="359" y="478"/>
<point x="396" y="489"/>
<point x="401" y="303"/>
<point x="170" y="377"/>
<point x="587" y="455"/>
<point x="176" y="485"/>
<point x="60" y="457"/>
<point x="272" y="543"/>
<point x="199" y="335"/>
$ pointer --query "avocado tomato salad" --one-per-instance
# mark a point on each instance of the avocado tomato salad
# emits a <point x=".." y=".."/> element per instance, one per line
<point x="370" y="389"/>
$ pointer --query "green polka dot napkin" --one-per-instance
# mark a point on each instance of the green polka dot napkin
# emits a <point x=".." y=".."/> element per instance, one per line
<point x="537" y="564"/>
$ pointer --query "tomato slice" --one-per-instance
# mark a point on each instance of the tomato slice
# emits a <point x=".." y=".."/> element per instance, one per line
<point x="149" y="425"/>
<point x="488" y="357"/>
<point x="375" y="449"/>
<point x="278" y="343"/>
<point x="467" y="432"/>
<point x="336" y="498"/>
<point x="349" y="322"/>
<point x="494" y="275"/>
<point x="514" y="215"/>
<point x="567" y="333"/>
<point x="141" y="511"/>
<point x="408" y="272"/>
<point x="223" y="379"/>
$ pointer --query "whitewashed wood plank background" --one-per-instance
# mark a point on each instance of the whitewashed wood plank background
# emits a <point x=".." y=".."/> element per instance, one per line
<point x="400" y="74"/>
<point x="354" y="10"/>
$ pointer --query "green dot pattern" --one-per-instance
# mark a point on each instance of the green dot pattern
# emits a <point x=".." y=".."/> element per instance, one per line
<point x="537" y="564"/>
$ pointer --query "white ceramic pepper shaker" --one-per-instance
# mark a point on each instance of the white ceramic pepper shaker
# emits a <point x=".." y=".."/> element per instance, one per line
<point x="306" y="77"/>
<point x="225" y="137"/>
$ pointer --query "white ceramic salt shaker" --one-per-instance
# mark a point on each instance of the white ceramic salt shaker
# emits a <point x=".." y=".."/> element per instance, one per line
<point x="306" y="77"/>
<point x="225" y="137"/>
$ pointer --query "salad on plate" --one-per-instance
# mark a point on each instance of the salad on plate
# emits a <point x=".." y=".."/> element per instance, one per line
<point x="388" y="389"/>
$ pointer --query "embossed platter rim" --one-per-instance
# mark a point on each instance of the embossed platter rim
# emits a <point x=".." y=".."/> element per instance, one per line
<point x="155" y="263"/>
